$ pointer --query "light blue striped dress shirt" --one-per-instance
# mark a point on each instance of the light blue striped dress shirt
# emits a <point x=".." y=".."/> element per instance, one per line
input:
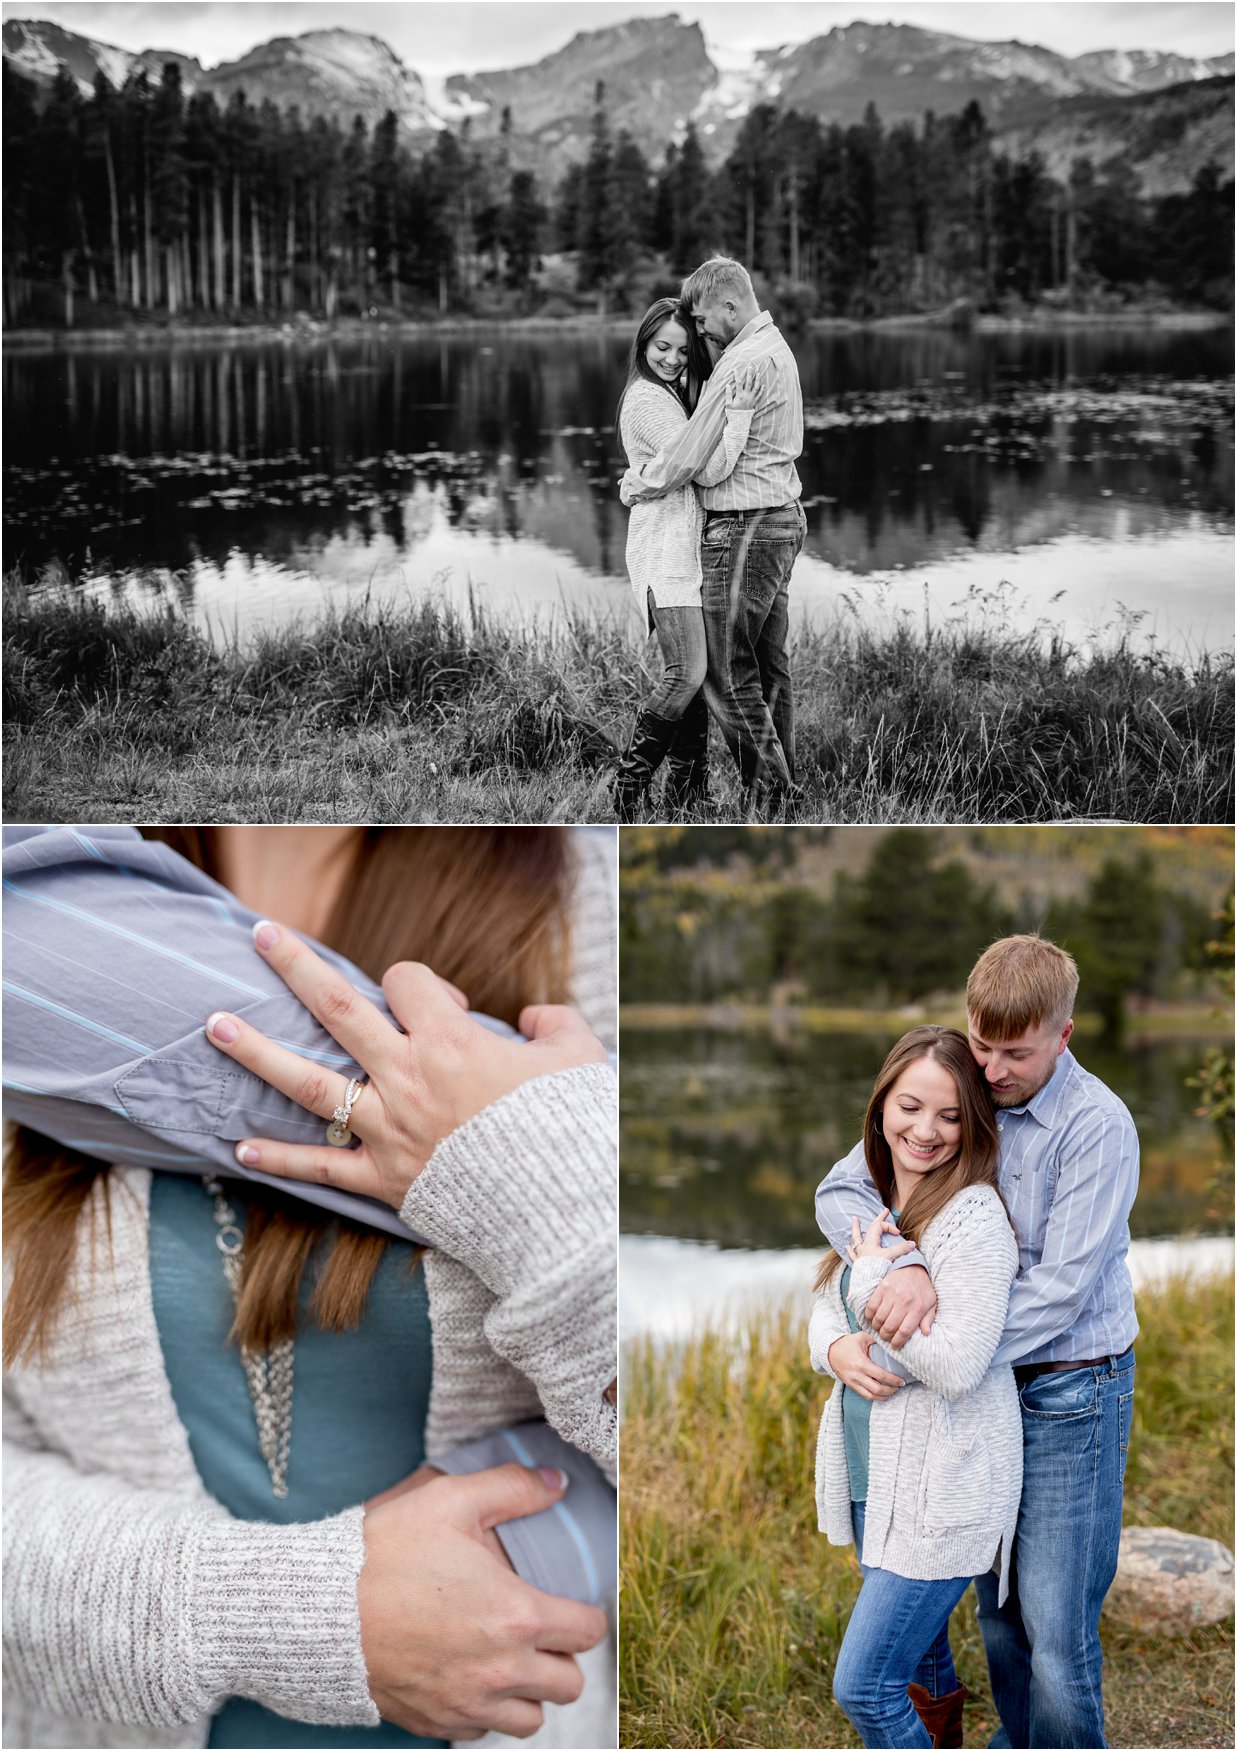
<point x="765" y="474"/>
<point x="1069" y="1176"/>
<point x="116" y="949"/>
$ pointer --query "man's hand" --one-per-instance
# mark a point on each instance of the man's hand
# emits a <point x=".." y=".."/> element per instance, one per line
<point x="455" y="1645"/>
<point x="854" y="1367"/>
<point x="904" y="1303"/>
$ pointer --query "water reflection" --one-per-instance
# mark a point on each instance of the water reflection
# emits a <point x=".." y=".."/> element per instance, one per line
<point x="1094" y="464"/>
<point x="726" y="1136"/>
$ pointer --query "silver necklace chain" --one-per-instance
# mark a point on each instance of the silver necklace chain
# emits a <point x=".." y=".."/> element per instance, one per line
<point x="269" y="1372"/>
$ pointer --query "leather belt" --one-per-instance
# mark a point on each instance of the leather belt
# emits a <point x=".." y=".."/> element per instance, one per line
<point x="754" y="511"/>
<point x="1031" y="1370"/>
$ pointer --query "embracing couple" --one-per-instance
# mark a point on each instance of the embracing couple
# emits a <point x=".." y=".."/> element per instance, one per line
<point x="977" y="1312"/>
<point x="711" y="421"/>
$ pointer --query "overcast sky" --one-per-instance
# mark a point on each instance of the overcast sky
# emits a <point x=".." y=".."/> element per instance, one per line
<point x="455" y="36"/>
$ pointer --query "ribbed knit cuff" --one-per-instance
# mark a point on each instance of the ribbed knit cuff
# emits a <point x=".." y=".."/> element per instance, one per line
<point x="275" y="1617"/>
<point x="865" y="1274"/>
<point x="527" y="1183"/>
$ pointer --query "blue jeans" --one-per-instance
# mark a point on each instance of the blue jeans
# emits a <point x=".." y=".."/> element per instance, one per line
<point x="747" y="557"/>
<point x="680" y="634"/>
<point x="898" y="1634"/>
<point x="1043" y="1644"/>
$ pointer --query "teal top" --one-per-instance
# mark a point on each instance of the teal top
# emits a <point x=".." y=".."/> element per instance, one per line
<point x="856" y="1412"/>
<point x="359" y="1404"/>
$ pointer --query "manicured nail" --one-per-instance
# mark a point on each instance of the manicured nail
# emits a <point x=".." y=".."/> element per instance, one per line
<point x="265" y="934"/>
<point x="247" y="1155"/>
<point x="551" y="1474"/>
<point x="222" y="1028"/>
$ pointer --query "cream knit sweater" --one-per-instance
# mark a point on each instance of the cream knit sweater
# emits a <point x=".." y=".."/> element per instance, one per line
<point x="945" y="1455"/>
<point x="663" y="535"/>
<point x="134" y="1605"/>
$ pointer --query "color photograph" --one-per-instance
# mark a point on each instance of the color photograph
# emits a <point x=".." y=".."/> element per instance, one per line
<point x="978" y="1077"/>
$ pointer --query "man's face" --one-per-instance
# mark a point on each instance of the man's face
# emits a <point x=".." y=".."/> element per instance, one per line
<point x="718" y="322"/>
<point x="1017" y="1069"/>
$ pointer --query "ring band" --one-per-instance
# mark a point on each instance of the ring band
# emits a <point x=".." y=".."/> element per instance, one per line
<point x="339" y="1131"/>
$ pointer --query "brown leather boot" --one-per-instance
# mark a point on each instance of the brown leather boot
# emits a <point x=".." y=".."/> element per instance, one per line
<point x="941" y="1715"/>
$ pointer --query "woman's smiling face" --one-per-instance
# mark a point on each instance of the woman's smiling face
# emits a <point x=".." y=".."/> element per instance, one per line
<point x="666" y="353"/>
<point x="922" y="1119"/>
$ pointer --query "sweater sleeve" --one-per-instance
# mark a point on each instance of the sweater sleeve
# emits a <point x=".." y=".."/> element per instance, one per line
<point x="827" y="1324"/>
<point x="972" y="1270"/>
<point x="136" y="1607"/>
<point x="525" y="1195"/>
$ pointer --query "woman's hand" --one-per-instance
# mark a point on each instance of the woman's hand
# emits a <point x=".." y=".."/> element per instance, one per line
<point x="743" y="389"/>
<point x="854" y="1367"/>
<point x="868" y="1246"/>
<point x="455" y="1644"/>
<point x="420" y="1085"/>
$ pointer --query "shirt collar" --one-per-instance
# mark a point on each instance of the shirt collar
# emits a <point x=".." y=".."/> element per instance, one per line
<point x="762" y="319"/>
<point x="1045" y="1106"/>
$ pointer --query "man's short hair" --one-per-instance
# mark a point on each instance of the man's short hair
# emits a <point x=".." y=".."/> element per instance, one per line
<point x="716" y="279"/>
<point x="1020" y="982"/>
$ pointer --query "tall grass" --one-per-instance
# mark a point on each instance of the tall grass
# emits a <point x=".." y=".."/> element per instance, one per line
<point x="733" y="1606"/>
<point x="425" y="712"/>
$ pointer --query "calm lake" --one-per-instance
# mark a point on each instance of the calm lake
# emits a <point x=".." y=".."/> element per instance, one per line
<point x="1084" y="479"/>
<point x="725" y="1137"/>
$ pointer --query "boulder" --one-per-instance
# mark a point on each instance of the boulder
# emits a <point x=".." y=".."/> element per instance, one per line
<point x="1170" y="1582"/>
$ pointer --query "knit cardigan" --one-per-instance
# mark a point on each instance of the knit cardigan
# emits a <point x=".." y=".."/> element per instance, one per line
<point x="663" y="535"/>
<point x="134" y="1604"/>
<point x="945" y="1451"/>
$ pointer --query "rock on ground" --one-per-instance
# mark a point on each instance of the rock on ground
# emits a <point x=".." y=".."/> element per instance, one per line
<point x="1170" y="1582"/>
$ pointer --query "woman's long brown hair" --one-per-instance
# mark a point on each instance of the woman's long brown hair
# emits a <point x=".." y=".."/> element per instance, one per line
<point x="975" y="1164"/>
<point x="486" y="907"/>
<point x="699" y="361"/>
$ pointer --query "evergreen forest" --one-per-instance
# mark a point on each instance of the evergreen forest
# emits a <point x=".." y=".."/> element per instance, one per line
<point x="148" y="203"/>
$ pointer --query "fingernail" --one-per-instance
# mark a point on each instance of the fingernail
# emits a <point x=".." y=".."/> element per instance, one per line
<point x="222" y="1028"/>
<point x="551" y="1474"/>
<point x="265" y="934"/>
<point x="247" y="1155"/>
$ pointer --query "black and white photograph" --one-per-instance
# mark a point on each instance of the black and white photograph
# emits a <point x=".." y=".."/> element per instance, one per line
<point x="589" y="412"/>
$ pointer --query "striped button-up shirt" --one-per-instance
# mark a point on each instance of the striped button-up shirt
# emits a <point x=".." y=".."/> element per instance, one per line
<point x="1069" y="1174"/>
<point x="765" y="476"/>
<point x="116" y="950"/>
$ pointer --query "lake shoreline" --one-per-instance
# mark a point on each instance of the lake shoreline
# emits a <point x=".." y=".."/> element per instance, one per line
<point x="736" y="1017"/>
<point x="438" y="716"/>
<point x="153" y="333"/>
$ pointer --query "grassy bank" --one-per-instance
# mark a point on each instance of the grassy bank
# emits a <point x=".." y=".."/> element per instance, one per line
<point x="418" y="712"/>
<point x="733" y="1606"/>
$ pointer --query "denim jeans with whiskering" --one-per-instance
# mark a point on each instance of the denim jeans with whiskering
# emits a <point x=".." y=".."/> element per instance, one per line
<point x="680" y="634"/>
<point x="898" y="1634"/>
<point x="1043" y="1644"/>
<point x="747" y="558"/>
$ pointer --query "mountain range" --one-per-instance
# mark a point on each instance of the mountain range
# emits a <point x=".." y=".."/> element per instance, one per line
<point x="1165" y="113"/>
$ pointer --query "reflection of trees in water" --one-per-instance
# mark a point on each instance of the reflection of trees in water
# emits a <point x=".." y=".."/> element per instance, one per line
<point x="725" y="1137"/>
<point x="513" y="432"/>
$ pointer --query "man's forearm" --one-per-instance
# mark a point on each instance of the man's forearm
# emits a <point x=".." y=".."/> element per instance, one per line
<point x="681" y="461"/>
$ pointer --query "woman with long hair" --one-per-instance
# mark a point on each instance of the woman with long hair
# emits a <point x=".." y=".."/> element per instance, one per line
<point x="228" y="1411"/>
<point x="924" y="1477"/>
<point x="666" y="368"/>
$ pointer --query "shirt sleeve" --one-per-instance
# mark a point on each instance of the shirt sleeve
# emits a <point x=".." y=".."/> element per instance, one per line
<point x="1097" y="1180"/>
<point x="682" y="459"/>
<point x="116" y="950"/>
<point x="972" y="1278"/>
<point x="847" y="1191"/>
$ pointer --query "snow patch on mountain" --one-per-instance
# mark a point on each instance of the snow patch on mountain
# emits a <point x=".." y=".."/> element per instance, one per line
<point x="739" y="86"/>
<point x="449" y="108"/>
<point x="29" y="53"/>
